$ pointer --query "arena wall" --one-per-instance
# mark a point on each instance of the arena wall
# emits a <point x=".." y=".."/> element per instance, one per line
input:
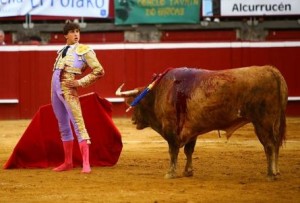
<point x="26" y="70"/>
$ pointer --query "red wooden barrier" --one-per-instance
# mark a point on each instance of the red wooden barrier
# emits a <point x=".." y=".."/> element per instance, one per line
<point x="26" y="70"/>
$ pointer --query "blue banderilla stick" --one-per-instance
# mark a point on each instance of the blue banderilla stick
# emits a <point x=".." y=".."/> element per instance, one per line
<point x="141" y="95"/>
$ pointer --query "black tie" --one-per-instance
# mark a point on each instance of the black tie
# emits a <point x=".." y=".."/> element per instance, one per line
<point x="65" y="51"/>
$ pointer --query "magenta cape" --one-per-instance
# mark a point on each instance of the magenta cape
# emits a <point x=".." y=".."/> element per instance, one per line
<point x="40" y="146"/>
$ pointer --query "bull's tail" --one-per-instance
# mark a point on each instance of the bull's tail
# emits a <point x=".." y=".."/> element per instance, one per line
<point x="282" y="96"/>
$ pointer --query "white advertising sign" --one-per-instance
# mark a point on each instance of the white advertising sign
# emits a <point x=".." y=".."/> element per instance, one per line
<point x="12" y="8"/>
<point x="80" y="8"/>
<point x="259" y="7"/>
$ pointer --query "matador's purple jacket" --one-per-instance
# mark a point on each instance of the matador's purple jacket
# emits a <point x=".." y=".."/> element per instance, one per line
<point x="65" y="100"/>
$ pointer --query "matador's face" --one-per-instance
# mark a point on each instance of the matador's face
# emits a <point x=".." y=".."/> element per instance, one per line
<point x="73" y="36"/>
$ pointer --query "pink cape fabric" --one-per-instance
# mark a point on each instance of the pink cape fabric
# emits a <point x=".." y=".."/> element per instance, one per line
<point x="40" y="146"/>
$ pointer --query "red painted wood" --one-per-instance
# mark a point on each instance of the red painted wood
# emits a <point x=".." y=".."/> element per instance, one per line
<point x="198" y="35"/>
<point x="279" y="35"/>
<point x="26" y="75"/>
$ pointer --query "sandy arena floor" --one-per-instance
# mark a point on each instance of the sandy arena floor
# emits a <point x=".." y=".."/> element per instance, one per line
<point x="224" y="171"/>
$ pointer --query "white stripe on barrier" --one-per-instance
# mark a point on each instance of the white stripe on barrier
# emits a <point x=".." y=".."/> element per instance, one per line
<point x="9" y="101"/>
<point x="120" y="99"/>
<point x="124" y="46"/>
<point x="113" y="100"/>
<point x="293" y="98"/>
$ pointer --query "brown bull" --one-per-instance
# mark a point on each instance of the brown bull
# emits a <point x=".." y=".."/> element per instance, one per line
<point x="188" y="102"/>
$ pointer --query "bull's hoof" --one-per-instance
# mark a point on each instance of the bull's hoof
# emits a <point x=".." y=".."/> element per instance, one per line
<point x="170" y="176"/>
<point x="273" y="177"/>
<point x="188" y="173"/>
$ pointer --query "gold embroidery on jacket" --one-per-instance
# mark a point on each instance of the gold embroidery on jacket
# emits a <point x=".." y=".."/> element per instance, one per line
<point x="82" y="49"/>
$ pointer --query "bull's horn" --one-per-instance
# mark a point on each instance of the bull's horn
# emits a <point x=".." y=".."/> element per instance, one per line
<point x="125" y="93"/>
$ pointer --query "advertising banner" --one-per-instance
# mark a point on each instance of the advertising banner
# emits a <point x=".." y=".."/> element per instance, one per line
<point x="156" y="11"/>
<point x="75" y="8"/>
<point x="259" y="7"/>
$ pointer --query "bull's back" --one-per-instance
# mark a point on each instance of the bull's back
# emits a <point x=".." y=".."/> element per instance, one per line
<point x="220" y="98"/>
<point x="260" y="82"/>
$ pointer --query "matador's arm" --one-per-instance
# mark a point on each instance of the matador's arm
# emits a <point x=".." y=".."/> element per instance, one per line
<point x="97" y="69"/>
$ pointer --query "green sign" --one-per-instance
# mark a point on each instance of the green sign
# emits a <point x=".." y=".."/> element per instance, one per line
<point x="156" y="11"/>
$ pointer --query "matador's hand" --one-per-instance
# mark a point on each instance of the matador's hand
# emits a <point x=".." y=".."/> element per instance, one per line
<point x="72" y="83"/>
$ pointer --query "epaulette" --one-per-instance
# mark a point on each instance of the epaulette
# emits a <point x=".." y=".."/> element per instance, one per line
<point x="82" y="49"/>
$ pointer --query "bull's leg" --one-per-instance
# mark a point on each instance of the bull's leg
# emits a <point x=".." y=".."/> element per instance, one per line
<point x="276" y="160"/>
<point x="279" y="132"/>
<point x="271" y="159"/>
<point x="271" y="149"/>
<point x="173" y="151"/>
<point x="188" y="150"/>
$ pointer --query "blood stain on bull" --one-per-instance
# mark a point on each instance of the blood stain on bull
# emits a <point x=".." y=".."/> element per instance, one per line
<point x="183" y="84"/>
